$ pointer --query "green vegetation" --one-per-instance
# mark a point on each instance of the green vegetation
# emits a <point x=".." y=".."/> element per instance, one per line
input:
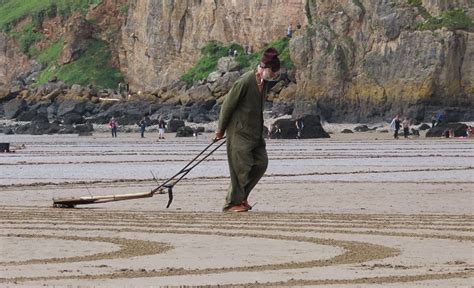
<point x="11" y="11"/>
<point x="28" y="37"/>
<point x="451" y="19"/>
<point x="213" y="51"/>
<point x="50" y="54"/>
<point x="91" y="67"/>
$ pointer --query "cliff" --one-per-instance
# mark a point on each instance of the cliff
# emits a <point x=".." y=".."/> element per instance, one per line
<point x="162" y="39"/>
<point x="354" y="60"/>
<point x="360" y="60"/>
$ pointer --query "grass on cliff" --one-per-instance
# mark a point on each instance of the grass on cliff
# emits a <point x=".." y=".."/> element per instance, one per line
<point x="11" y="11"/>
<point x="213" y="51"/>
<point x="452" y="19"/>
<point x="91" y="68"/>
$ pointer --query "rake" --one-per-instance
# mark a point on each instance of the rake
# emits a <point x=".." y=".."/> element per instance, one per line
<point x="71" y="202"/>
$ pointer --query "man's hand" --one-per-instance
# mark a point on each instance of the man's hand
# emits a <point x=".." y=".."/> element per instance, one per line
<point x="219" y="135"/>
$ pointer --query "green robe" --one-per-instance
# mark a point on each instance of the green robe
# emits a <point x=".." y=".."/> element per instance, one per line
<point x="241" y="117"/>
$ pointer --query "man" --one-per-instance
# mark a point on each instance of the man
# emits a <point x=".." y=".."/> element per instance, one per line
<point x="241" y="119"/>
<point x="406" y="127"/>
<point x="395" y="126"/>
<point x="161" y="128"/>
<point x="142" y="126"/>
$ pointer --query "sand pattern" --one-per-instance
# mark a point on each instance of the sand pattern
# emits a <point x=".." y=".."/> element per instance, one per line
<point x="335" y="213"/>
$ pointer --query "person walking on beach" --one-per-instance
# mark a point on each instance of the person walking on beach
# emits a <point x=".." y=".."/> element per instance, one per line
<point x="241" y="120"/>
<point x="113" y="127"/>
<point x="299" y="127"/>
<point x="395" y="126"/>
<point x="142" y="126"/>
<point x="161" y="128"/>
<point x="406" y="127"/>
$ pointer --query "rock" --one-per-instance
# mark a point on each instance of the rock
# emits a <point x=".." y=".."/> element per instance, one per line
<point x="214" y="76"/>
<point x="223" y="84"/>
<point x="227" y="64"/>
<point x="76" y="89"/>
<point x="5" y="94"/>
<point x="460" y="130"/>
<point x="361" y="128"/>
<point x="71" y="106"/>
<point x="27" y="115"/>
<point x="424" y="126"/>
<point x="346" y="131"/>
<point x="185" y="131"/>
<point x="8" y="131"/>
<point x="207" y="105"/>
<point x="404" y="70"/>
<point x="77" y="31"/>
<point x="13" y="108"/>
<point x="73" y="118"/>
<point x="174" y="125"/>
<point x="312" y="128"/>
<point x="200" y="93"/>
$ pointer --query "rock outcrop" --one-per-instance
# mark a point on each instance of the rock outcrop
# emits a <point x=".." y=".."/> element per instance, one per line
<point x="360" y="60"/>
<point x="162" y="39"/>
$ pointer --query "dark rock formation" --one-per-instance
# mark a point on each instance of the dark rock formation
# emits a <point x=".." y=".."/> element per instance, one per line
<point x="459" y="129"/>
<point x="185" y="131"/>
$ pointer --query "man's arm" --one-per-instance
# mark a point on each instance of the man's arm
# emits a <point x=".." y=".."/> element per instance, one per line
<point x="228" y="107"/>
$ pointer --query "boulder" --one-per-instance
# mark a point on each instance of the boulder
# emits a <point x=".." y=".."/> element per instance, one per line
<point x="223" y="84"/>
<point x="13" y="108"/>
<point x="8" y="131"/>
<point x="27" y="115"/>
<point x="200" y="93"/>
<point x="214" y="76"/>
<point x="71" y="106"/>
<point x="312" y="128"/>
<point x="73" y="118"/>
<point x="174" y="125"/>
<point x="361" y="128"/>
<point x="347" y="131"/>
<point x="459" y="129"/>
<point x="185" y="131"/>
<point x="227" y="64"/>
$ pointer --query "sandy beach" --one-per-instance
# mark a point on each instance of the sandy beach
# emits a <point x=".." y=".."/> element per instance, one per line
<point x="356" y="210"/>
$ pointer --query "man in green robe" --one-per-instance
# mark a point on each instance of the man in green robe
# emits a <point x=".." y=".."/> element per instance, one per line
<point x="241" y="120"/>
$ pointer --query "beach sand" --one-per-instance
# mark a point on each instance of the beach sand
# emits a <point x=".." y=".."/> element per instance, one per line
<point x="356" y="210"/>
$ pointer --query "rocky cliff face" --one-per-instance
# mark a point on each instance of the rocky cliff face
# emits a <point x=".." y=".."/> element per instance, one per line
<point x="162" y="39"/>
<point x="365" y="59"/>
<point x="12" y="61"/>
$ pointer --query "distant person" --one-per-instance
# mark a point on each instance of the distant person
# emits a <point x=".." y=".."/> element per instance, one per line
<point x="142" y="125"/>
<point x="299" y="127"/>
<point x="230" y="53"/>
<point x="113" y="127"/>
<point x="439" y="118"/>
<point x="395" y="126"/>
<point x="433" y="121"/>
<point x="406" y="127"/>
<point x="236" y="53"/>
<point x="470" y="131"/>
<point x="161" y="128"/>
<point x="289" y="32"/>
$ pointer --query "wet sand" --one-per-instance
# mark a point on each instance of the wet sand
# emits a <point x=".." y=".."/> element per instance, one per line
<point x="356" y="210"/>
